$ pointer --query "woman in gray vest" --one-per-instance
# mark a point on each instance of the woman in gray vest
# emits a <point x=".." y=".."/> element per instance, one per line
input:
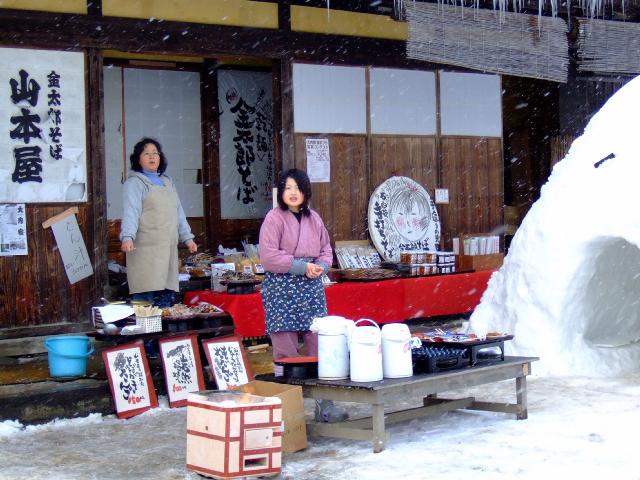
<point x="153" y="222"/>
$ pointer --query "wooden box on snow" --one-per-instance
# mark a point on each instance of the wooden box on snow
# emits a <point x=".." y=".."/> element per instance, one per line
<point x="233" y="434"/>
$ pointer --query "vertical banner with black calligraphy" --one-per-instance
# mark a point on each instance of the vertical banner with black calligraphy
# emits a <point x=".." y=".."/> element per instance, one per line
<point x="43" y="131"/>
<point x="246" y="143"/>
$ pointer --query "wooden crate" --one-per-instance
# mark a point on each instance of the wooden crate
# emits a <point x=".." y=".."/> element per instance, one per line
<point x="480" y="262"/>
<point x="491" y="261"/>
<point x="234" y="434"/>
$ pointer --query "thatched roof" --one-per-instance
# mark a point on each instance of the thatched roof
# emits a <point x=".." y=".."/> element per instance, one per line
<point x="490" y="41"/>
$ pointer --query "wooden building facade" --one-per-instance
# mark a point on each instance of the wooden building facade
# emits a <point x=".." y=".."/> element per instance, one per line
<point x="35" y="295"/>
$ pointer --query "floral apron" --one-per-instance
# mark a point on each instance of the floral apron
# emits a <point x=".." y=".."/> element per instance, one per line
<point x="291" y="302"/>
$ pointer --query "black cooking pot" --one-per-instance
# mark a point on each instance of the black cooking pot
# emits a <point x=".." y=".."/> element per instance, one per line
<point x="299" y="367"/>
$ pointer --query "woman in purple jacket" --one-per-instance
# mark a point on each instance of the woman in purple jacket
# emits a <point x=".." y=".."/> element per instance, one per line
<point x="295" y="251"/>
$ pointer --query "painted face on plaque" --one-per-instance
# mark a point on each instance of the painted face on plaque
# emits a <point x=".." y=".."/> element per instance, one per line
<point x="410" y="214"/>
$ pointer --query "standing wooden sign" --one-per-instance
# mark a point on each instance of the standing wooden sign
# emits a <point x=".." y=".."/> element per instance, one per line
<point x="129" y="379"/>
<point x="228" y="361"/>
<point x="182" y="368"/>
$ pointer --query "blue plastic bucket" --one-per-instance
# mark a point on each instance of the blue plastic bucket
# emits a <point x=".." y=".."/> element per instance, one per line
<point x="68" y="355"/>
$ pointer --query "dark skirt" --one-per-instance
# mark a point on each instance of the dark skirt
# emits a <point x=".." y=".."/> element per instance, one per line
<point x="291" y="302"/>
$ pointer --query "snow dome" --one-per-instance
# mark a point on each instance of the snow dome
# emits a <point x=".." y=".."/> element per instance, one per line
<point x="569" y="288"/>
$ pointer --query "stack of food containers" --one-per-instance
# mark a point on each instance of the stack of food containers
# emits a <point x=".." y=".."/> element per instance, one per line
<point x="446" y="262"/>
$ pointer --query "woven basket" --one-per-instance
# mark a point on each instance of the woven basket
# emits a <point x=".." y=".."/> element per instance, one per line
<point x="150" y="324"/>
<point x="368" y="274"/>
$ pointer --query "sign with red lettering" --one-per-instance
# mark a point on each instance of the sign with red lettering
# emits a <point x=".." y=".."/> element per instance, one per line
<point x="129" y="379"/>
<point x="182" y="368"/>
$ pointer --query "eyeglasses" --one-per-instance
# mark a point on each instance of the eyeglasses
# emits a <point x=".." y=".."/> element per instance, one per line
<point x="153" y="154"/>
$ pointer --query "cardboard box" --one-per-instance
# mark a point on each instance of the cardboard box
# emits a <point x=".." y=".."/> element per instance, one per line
<point x="294" y="435"/>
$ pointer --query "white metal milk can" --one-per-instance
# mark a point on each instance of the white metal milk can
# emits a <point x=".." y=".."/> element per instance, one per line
<point x="366" y="352"/>
<point x="333" y="348"/>
<point x="396" y="351"/>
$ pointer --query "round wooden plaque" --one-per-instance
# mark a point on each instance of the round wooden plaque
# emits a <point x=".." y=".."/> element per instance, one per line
<point x="402" y="218"/>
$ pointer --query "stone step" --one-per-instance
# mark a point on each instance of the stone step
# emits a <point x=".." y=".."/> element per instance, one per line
<point x="44" y="401"/>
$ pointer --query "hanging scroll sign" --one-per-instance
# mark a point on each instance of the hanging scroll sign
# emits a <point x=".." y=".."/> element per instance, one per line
<point x="73" y="251"/>
<point x="402" y="218"/>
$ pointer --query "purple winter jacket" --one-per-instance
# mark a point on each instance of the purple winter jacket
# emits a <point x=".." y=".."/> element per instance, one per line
<point x="283" y="239"/>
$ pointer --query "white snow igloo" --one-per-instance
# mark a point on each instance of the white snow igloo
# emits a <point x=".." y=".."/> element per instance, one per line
<point x="569" y="288"/>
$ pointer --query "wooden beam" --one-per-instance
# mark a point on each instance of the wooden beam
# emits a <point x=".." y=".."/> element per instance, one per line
<point x="286" y="119"/>
<point x="58" y="30"/>
<point x="55" y="219"/>
<point x="210" y="157"/>
<point x="97" y="180"/>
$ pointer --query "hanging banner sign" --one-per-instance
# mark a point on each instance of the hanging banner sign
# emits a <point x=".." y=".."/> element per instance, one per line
<point x="42" y="126"/>
<point x="246" y="143"/>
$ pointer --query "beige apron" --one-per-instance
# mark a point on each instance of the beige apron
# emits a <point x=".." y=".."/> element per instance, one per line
<point x="153" y="265"/>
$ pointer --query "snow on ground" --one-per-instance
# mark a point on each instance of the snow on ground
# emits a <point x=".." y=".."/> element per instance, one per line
<point x="578" y="427"/>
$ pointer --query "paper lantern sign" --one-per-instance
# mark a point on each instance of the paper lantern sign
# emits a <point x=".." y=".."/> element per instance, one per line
<point x="227" y="361"/>
<point x="129" y="379"/>
<point x="402" y="218"/>
<point x="182" y="368"/>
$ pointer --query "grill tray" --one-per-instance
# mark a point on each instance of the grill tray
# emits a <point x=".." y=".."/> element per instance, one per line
<point x="433" y="359"/>
<point x="473" y="348"/>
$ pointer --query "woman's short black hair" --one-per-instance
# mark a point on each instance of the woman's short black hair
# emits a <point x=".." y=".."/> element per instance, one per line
<point x="137" y="150"/>
<point x="304" y="185"/>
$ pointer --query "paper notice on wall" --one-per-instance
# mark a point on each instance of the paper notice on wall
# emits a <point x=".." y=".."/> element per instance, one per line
<point x="318" y="160"/>
<point x="72" y="248"/>
<point x="13" y="230"/>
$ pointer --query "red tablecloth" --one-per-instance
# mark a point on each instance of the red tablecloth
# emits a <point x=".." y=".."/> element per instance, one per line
<point x="384" y="301"/>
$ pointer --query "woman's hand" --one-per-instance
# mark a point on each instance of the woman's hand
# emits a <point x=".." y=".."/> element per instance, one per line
<point x="314" y="271"/>
<point x="191" y="245"/>
<point x="127" y="246"/>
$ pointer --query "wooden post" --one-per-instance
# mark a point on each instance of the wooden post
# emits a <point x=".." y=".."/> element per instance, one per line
<point x="286" y="96"/>
<point x="96" y="178"/>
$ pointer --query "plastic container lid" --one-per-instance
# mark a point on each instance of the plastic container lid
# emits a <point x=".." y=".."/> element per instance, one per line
<point x="366" y="335"/>
<point x="396" y="331"/>
<point x="331" y="325"/>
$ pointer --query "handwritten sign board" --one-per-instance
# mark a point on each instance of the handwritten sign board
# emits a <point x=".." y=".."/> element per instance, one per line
<point x="182" y="368"/>
<point x="129" y="379"/>
<point x="72" y="249"/>
<point x="402" y="218"/>
<point x="227" y="361"/>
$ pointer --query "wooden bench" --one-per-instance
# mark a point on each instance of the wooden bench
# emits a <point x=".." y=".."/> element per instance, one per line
<point x="386" y="393"/>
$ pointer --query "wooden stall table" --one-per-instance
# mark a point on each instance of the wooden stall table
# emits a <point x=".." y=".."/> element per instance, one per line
<point x="393" y="300"/>
<point x="118" y="339"/>
<point x="386" y="393"/>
